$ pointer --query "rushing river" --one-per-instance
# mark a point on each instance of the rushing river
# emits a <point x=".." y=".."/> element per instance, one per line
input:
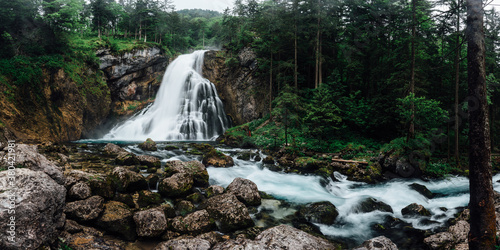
<point x="451" y="194"/>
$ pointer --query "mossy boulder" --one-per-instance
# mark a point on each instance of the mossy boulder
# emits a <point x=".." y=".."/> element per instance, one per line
<point x="194" y="168"/>
<point x="147" y="198"/>
<point x="217" y="159"/>
<point x="323" y="212"/>
<point x="308" y="164"/>
<point x="245" y="190"/>
<point x="230" y="214"/>
<point x="214" y="190"/>
<point x="177" y="185"/>
<point x="268" y="160"/>
<point x="126" y="159"/>
<point x="148" y="145"/>
<point x="113" y="149"/>
<point x="194" y="223"/>
<point x="414" y="210"/>
<point x="370" y="204"/>
<point x="182" y="208"/>
<point x="127" y="180"/>
<point x="150" y="223"/>
<point x="117" y="218"/>
<point x="149" y="161"/>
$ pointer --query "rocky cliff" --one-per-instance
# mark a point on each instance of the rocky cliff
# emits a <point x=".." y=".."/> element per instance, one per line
<point x="245" y="96"/>
<point x="133" y="77"/>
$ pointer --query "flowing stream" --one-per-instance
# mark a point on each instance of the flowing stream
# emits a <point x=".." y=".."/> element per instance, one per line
<point x="187" y="107"/>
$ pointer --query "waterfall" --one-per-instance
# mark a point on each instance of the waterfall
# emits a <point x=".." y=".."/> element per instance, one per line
<point x="187" y="107"/>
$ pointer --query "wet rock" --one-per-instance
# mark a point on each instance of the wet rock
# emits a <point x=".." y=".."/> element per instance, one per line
<point x="195" y="198"/>
<point x="184" y="207"/>
<point x="188" y="243"/>
<point x="268" y="160"/>
<point x="230" y="214"/>
<point x="149" y="161"/>
<point x="415" y="209"/>
<point x="381" y="242"/>
<point x="194" y="223"/>
<point x="171" y="147"/>
<point x="39" y="204"/>
<point x="152" y="181"/>
<point x="370" y="204"/>
<point x="100" y="184"/>
<point x="214" y="190"/>
<point x="422" y="190"/>
<point x="85" y="241"/>
<point x="148" y="145"/>
<point x="456" y="235"/>
<point x="245" y="190"/>
<point x="175" y="186"/>
<point x="148" y="198"/>
<point x="279" y="237"/>
<point x="128" y="181"/>
<point x="80" y="191"/>
<point x="217" y="159"/>
<point x="460" y="231"/>
<point x="27" y="156"/>
<point x="117" y="219"/>
<point x="126" y="199"/>
<point x="85" y="210"/>
<point x="126" y="159"/>
<point x="168" y="210"/>
<point x="194" y="168"/>
<point x="320" y="212"/>
<point x="439" y="241"/>
<point x="170" y="235"/>
<point x="113" y="149"/>
<point x="151" y="222"/>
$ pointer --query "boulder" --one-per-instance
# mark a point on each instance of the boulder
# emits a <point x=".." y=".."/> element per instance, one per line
<point x="126" y="199"/>
<point x="27" y="156"/>
<point x="217" y="159"/>
<point x="268" y="160"/>
<point x="148" y="145"/>
<point x="194" y="168"/>
<point x="85" y="210"/>
<point x="381" y="242"/>
<point x="118" y="219"/>
<point x="279" y="237"/>
<point x="230" y="214"/>
<point x="245" y="190"/>
<point x="194" y="223"/>
<point x="80" y="191"/>
<point x="127" y="180"/>
<point x="113" y="149"/>
<point x="100" y="184"/>
<point x="370" y="204"/>
<point x="126" y="159"/>
<point x="39" y="203"/>
<point x="85" y="241"/>
<point x="151" y="222"/>
<point x="149" y="161"/>
<point x="214" y="190"/>
<point x="188" y="243"/>
<point x="177" y="185"/>
<point x="320" y="212"/>
<point x="184" y="207"/>
<point x="423" y="190"/>
<point x="415" y="209"/>
<point x="148" y="198"/>
<point x="439" y="241"/>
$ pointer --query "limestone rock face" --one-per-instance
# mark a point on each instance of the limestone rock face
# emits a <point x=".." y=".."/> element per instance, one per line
<point x="38" y="213"/>
<point x="244" y="95"/>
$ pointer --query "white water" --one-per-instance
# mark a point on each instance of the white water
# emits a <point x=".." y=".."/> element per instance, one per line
<point x="187" y="107"/>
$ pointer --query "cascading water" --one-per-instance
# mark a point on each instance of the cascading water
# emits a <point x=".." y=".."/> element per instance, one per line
<point x="187" y="107"/>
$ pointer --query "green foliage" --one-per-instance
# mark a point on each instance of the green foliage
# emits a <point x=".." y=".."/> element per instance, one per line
<point x="323" y="115"/>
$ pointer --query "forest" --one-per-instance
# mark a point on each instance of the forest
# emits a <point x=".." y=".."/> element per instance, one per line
<point x="368" y="105"/>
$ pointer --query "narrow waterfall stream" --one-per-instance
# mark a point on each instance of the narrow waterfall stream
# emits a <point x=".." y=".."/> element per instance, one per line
<point x="187" y="107"/>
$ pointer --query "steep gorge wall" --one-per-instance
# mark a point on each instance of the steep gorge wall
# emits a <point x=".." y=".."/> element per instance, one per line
<point x="244" y="95"/>
<point x="62" y="109"/>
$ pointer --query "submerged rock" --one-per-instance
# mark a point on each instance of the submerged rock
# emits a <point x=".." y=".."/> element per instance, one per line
<point x="39" y="203"/>
<point x="423" y="190"/>
<point x="370" y="204"/>
<point x="245" y="190"/>
<point x="151" y="222"/>
<point x="320" y="212"/>
<point x="148" y="145"/>
<point x="230" y="214"/>
<point x="381" y="242"/>
<point x="415" y="209"/>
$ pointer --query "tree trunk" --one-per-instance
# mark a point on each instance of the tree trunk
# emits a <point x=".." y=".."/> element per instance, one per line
<point x="271" y="88"/>
<point x="316" y="71"/>
<point x="411" y="131"/>
<point x="482" y="210"/>
<point x="457" y="85"/>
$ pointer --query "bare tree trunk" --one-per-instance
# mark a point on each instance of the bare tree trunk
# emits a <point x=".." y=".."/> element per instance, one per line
<point x="411" y="131"/>
<point x="271" y="88"/>
<point x="316" y="71"/>
<point x="482" y="209"/>
<point x="457" y="84"/>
